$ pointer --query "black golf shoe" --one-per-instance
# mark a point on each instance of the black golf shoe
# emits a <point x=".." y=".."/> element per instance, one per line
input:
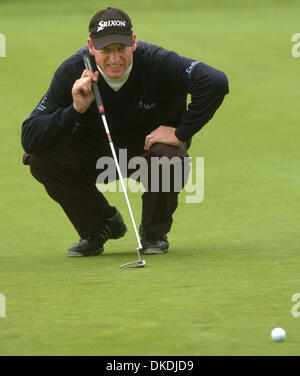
<point x="153" y="245"/>
<point x="91" y="246"/>
<point x="112" y="228"/>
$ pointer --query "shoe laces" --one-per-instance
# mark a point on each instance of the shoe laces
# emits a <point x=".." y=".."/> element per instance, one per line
<point x="105" y="233"/>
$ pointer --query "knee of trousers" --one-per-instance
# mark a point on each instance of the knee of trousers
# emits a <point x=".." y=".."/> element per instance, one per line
<point x="169" y="167"/>
<point x="163" y="150"/>
<point x="170" y="156"/>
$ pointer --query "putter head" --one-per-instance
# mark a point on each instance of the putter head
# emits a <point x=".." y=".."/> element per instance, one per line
<point x="134" y="264"/>
<point x="141" y="263"/>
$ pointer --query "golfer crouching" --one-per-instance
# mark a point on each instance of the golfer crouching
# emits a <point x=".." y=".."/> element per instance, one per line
<point x="144" y="89"/>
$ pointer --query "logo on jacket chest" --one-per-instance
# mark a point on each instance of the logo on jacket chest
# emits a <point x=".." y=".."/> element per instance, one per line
<point x="146" y="106"/>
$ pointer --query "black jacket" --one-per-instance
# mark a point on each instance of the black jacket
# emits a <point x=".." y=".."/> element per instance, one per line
<point x="154" y="94"/>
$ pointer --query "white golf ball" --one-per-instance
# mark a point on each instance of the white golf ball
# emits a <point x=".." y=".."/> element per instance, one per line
<point x="278" y="334"/>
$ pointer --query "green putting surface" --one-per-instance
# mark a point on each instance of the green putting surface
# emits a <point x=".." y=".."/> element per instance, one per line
<point x="233" y="264"/>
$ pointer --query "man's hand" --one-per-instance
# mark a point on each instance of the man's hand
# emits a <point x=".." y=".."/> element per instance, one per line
<point x="163" y="134"/>
<point x="82" y="92"/>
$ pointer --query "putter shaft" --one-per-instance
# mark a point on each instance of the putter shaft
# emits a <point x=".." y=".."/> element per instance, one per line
<point x="101" y="110"/>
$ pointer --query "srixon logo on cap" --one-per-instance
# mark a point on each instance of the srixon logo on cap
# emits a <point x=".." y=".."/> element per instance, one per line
<point x="103" y="24"/>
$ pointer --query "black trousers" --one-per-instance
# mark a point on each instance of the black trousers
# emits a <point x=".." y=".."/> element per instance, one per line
<point x="69" y="175"/>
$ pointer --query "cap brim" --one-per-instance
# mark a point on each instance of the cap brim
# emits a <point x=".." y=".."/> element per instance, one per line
<point x="112" y="39"/>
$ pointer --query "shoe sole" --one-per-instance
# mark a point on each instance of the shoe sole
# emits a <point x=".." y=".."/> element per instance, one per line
<point x="78" y="254"/>
<point x="155" y="251"/>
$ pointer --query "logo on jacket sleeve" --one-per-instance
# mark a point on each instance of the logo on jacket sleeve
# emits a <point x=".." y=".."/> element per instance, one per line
<point x="42" y="104"/>
<point x="189" y="70"/>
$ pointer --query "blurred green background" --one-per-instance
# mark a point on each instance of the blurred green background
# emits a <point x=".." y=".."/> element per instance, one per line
<point x="234" y="260"/>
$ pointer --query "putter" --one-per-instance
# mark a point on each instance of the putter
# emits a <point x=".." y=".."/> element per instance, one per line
<point x="134" y="264"/>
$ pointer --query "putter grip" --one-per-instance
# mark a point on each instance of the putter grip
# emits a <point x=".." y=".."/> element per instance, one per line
<point x="88" y="65"/>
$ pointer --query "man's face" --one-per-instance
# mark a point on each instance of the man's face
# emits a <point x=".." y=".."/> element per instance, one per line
<point x="114" y="59"/>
